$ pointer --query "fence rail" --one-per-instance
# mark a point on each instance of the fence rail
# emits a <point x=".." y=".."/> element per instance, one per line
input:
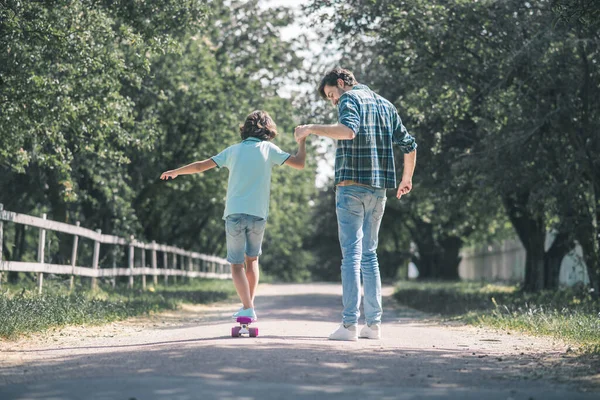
<point x="198" y="265"/>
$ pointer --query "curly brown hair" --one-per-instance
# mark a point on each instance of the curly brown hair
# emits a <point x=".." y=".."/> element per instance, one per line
<point x="258" y="124"/>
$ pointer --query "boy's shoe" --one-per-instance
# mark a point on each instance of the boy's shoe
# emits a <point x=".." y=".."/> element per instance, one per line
<point x="371" y="331"/>
<point x="236" y="314"/>
<point x="247" y="312"/>
<point x="345" y="332"/>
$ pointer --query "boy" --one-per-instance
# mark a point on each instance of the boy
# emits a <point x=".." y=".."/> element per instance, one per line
<point x="247" y="206"/>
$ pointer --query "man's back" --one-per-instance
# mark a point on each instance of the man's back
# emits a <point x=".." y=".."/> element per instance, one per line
<point x="369" y="158"/>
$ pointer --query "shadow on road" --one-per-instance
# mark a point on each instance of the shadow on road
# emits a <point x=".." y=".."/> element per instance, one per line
<point x="301" y="359"/>
<point x="296" y="361"/>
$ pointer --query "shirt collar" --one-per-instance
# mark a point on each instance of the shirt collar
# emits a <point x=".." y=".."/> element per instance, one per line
<point x="252" y="139"/>
<point x="360" y="86"/>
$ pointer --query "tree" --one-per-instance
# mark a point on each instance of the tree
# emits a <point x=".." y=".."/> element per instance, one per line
<point x="397" y="50"/>
<point x="98" y="97"/>
<point x="198" y="99"/>
<point x="475" y="79"/>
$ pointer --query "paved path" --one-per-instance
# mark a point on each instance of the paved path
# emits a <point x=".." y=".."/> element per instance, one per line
<point x="189" y="354"/>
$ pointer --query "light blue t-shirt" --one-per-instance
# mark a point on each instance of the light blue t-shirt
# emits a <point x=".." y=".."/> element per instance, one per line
<point x="249" y="186"/>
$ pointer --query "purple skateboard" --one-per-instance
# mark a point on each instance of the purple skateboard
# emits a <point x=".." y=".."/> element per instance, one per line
<point x="244" y="328"/>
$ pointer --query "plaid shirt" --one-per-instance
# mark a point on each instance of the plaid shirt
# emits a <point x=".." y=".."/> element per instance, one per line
<point x="369" y="158"/>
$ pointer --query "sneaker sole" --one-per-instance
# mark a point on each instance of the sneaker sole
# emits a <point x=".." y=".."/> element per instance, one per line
<point x="344" y="339"/>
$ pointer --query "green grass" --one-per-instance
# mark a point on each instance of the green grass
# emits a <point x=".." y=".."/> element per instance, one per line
<point x="572" y="315"/>
<point x="24" y="311"/>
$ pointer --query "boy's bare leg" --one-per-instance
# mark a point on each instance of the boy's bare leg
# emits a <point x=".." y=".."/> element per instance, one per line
<point x="241" y="285"/>
<point x="252" y="275"/>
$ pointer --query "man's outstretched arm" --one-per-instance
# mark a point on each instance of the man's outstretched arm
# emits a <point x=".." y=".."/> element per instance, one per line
<point x="335" y="131"/>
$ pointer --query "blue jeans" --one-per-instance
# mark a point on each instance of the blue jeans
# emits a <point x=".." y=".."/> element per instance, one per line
<point x="359" y="212"/>
<point x="244" y="236"/>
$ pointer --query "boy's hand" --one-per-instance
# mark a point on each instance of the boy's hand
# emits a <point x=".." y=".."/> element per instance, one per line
<point x="301" y="141"/>
<point x="168" y="175"/>
<point x="301" y="132"/>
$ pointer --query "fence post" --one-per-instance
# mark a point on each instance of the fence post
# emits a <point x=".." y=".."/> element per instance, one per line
<point x="166" y="266"/>
<point x="114" y="266"/>
<point x="1" y="238"/>
<point x="41" y="249"/>
<point x="154" y="266"/>
<point x="174" y="267"/>
<point x="131" y="260"/>
<point x="143" y="266"/>
<point x="95" y="260"/>
<point x="74" y="259"/>
<point x="190" y="268"/>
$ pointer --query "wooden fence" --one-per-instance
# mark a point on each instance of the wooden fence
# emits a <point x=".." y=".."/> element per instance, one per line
<point x="197" y="266"/>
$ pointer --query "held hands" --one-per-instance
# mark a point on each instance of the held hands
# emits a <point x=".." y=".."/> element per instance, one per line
<point x="404" y="188"/>
<point x="168" y="175"/>
<point x="301" y="132"/>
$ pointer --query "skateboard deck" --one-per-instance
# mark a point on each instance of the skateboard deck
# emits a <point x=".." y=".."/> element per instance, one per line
<point x="244" y="328"/>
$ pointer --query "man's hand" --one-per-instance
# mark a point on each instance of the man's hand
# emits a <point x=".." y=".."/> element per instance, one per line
<point x="404" y="188"/>
<point x="168" y="175"/>
<point x="301" y="132"/>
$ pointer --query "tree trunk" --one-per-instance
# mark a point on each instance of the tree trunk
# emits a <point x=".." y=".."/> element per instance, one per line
<point x="588" y="234"/>
<point x="426" y="262"/>
<point x="591" y="256"/>
<point x="13" y="276"/>
<point x="561" y="246"/>
<point x="450" y="258"/>
<point x="532" y="233"/>
<point x="422" y="235"/>
<point x="59" y="213"/>
<point x="438" y="259"/>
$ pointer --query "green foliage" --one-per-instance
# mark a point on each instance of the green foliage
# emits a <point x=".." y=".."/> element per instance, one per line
<point x="23" y="311"/>
<point x="199" y="98"/>
<point x="98" y="98"/>
<point x="66" y="122"/>
<point x="498" y="95"/>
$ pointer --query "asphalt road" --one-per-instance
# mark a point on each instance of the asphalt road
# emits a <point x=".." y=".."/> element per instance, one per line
<point x="189" y="354"/>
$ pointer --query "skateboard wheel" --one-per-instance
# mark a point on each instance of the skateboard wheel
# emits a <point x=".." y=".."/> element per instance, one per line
<point x="253" y="332"/>
<point x="235" y="331"/>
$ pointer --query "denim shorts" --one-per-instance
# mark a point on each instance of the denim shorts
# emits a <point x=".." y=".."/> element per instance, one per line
<point x="244" y="236"/>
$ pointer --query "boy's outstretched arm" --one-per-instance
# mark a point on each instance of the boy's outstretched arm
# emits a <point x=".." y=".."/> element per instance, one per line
<point x="193" y="168"/>
<point x="299" y="159"/>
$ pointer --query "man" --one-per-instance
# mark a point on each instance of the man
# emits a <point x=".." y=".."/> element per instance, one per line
<point x="364" y="168"/>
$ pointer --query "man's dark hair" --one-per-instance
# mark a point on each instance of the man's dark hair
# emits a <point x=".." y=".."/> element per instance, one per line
<point x="260" y="125"/>
<point x="331" y="78"/>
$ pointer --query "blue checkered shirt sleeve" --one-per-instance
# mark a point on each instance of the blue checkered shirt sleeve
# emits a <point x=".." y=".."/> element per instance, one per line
<point x="401" y="137"/>
<point x="349" y="113"/>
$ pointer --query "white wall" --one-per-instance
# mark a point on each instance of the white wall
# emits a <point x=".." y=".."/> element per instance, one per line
<point x="506" y="262"/>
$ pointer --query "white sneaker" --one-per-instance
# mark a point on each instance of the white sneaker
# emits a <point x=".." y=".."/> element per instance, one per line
<point x="344" y="333"/>
<point x="371" y="331"/>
